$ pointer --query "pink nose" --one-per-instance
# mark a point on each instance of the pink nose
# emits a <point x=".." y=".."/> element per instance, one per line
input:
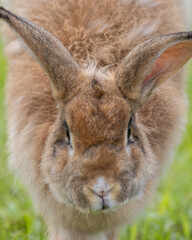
<point x="101" y="187"/>
<point x="102" y="193"/>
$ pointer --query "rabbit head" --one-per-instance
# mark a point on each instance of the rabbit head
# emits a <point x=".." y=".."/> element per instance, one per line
<point x="97" y="155"/>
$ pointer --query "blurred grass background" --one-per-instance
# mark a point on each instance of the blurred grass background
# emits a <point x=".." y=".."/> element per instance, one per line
<point x="169" y="218"/>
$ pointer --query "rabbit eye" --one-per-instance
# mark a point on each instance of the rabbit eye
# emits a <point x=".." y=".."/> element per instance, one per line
<point x="67" y="132"/>
<point x="129" y="130"/>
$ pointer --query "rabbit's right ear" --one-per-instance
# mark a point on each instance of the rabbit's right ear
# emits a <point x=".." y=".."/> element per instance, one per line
<point x="151" y="63"/>
<point x="49" y="52"/>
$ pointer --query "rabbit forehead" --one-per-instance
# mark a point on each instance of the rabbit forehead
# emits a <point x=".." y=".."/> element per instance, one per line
<point x="92" y="112"/>
<point x="98" y="119"/>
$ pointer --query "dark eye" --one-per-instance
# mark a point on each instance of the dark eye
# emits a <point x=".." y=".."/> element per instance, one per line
<point x="67" y="132"/>
<point x="129" y="129"/>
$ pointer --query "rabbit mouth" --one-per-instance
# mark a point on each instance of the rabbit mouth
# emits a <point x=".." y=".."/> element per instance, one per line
<point x="101" y="207"/>
<point x="105" y="204"/>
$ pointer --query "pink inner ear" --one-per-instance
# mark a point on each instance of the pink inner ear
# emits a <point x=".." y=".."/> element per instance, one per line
<point x="158" y="68"/>
<point x="169" y="62"/>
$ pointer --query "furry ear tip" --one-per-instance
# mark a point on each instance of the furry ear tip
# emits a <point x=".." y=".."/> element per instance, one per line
<point x="189" y="35"/>
<point x="185" y="35"/>
<point x="2" y="9"/>
<point x="3" y="13"/>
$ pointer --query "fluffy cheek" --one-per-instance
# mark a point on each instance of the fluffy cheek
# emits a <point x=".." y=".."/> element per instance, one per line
<point x="131" y="191"/>
<point x="76" y="194"/>
<point x="135" y="174"/>
<point x="53" y="166"/>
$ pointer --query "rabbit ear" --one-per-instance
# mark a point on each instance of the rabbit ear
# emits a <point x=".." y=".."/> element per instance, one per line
<point x="49" y="51"/>
<point x="151" y="63"/>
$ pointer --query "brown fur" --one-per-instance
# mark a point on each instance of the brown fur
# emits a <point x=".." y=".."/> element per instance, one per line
<point x="97" y="110"/>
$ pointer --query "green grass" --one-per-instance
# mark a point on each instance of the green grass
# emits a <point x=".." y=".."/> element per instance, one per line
<point x="170" y="217"/>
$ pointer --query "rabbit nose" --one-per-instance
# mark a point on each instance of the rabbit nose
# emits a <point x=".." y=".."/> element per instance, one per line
<point x="101" y="188"/>
<point x="101" y="193"/>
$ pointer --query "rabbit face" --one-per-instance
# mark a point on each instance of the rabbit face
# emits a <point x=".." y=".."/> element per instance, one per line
<point x="91" y="160"/>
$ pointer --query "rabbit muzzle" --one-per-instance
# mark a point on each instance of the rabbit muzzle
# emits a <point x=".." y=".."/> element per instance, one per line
<point x="104" y="192"/>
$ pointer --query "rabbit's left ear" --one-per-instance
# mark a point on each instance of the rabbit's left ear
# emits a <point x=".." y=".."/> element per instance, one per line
<point x="151" y="63"/>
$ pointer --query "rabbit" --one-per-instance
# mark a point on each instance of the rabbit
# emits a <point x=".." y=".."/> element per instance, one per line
<point x="95" y="105"/>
